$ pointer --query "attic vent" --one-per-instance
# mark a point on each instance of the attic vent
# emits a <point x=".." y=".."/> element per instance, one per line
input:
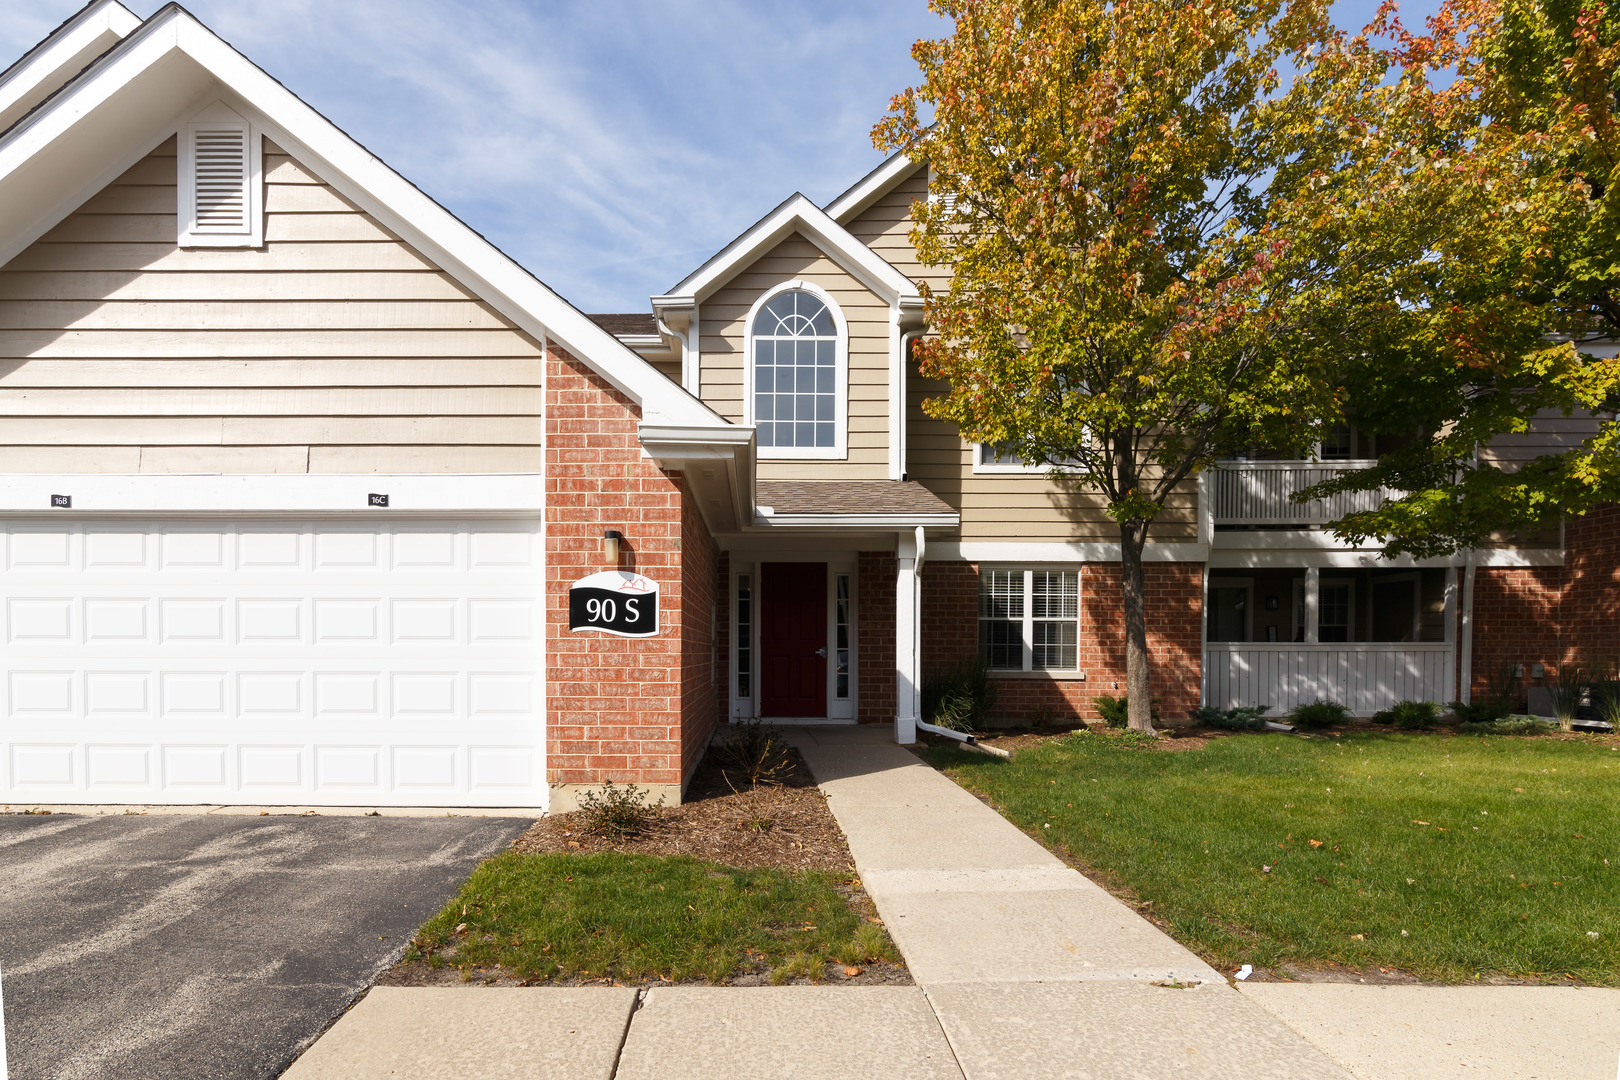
<point x="220" y="168"/>
<point x="221" y="204"/>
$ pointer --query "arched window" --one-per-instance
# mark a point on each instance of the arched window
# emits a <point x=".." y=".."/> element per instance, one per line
<point x="797" y="384"/>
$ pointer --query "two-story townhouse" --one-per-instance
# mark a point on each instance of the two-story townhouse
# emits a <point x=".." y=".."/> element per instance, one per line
<point x="1250" y="602"/>
<point x="309" y="495"/>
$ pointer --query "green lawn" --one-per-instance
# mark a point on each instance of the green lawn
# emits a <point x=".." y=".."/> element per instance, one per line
<point x="1447" y="857"/>
<point x="613" y="915"/>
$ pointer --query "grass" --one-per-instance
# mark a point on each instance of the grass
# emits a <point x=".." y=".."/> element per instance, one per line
<point x="1447" y="857"/>
<point x="612" y="915"/>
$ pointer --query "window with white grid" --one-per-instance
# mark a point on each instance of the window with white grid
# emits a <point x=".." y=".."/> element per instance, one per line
<point x="1029" y="620"/>
<point x="797" y="378"/>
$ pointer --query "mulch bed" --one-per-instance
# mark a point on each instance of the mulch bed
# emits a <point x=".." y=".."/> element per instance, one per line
<point x="783" y="826"/>
<point x="786" y="826"/>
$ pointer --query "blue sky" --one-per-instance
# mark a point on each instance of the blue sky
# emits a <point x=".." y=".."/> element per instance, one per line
<point x="608" y="145"/>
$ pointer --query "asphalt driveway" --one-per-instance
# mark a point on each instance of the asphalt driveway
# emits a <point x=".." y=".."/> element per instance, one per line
<point x="202" y="947"/>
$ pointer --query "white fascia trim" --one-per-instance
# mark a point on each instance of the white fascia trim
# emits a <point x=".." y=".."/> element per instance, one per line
<point x="96" y="28"/>
<point x="1311" y="548"/>
<point x="856" y="521"/>
<point x="798" y="214"/>
<point x="273" y="493"/>
<point x="375" y="188"/>
<point x="872" y="187"/>
<point x="999" y="551"/>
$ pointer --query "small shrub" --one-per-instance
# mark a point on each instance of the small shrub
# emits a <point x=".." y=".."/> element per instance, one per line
<point x="1242" y="718"/>
<point x="757" y="752"/>
<point x="1320" y="713"/>
<point x="1480" y="712"/>
<point x="1567" y="689"/>
<point x="960" y="697"/>
<point x="618" y="813"/>
<point x="1606" y="701"/>
<point x="1512" y="725"/>
<point x="1409" y="715"/>
<point x="1042" y="717"/>
<point x="1116" y="711"/>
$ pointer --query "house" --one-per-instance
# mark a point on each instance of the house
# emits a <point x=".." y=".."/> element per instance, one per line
<point x="310" y="495"/>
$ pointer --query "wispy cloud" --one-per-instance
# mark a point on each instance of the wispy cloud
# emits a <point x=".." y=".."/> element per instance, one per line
<point x="608" y="145"/>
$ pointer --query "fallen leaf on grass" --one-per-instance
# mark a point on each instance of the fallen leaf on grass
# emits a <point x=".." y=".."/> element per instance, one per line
<point x="1358" y="937"/>
<point x="1316" y="843"/>
<point x="1415" y="821"/>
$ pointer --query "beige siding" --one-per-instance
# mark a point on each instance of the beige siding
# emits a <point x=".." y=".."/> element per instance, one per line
<point x="333" y="348"/>
<point x="722" y="317"/>
<point x="885" y="227"/>
<point x="994" y="507"/>
<point x="1550" y="432"/>
<point x="1005" y="507"/>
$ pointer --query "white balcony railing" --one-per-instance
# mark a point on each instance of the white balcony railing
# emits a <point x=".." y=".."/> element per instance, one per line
<point x="1260" y="493"/>
<point x="1364" y="676"/>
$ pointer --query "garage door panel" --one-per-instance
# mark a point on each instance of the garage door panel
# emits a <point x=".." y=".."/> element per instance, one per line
<point x="265" y="662"/>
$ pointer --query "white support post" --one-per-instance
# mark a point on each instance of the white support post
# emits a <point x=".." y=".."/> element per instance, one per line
<point x="907" y="617"/>
<point x="1206" y="507"/>
<point x="1313" y="600"/>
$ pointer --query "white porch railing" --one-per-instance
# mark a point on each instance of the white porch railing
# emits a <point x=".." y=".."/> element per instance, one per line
<point x="1364" y="676"/>
<point x="1259" y="493"/>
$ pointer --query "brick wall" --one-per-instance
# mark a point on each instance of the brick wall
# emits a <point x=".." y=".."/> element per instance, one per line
<point x="1552" y="615"/>
<point x="615" y="705"/>
<point x="875" y="574"/>
<point x="1174" y="603"/>
<point x="700" y="568"/>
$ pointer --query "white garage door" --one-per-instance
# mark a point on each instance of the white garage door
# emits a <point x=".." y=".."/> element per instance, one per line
<point x="329" y="661"/>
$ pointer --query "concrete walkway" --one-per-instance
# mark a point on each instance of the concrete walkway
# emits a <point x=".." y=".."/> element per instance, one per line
<point x="1033" y="970"/>
<point x="1025" y="969"/>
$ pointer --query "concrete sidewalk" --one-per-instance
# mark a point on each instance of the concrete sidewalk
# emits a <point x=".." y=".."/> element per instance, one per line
<point x="1025" y="969"/>
<point x="1033" y="970"/>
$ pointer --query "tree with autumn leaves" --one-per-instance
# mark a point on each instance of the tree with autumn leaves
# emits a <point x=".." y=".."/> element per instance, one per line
<point x="1170" y="227"/>
<point x="1523" y="301"/>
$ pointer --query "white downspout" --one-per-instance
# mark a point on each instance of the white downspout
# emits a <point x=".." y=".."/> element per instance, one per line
<point x="919" y="546"/>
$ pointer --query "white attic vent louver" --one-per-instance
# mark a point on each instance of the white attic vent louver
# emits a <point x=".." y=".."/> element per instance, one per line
<point x="220" y="197"/>
<point x="221" y="204"/>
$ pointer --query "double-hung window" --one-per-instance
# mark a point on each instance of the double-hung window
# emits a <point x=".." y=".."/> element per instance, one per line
<point x="1029" y="620"/>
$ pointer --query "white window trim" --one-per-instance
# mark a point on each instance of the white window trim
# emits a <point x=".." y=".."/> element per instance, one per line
<point x="1019" y="469"/>
<point x="215" y="116"/>
<point x="982" y="468"/>
<point x="1028" y="667"/>
<point x="839" y="451"/>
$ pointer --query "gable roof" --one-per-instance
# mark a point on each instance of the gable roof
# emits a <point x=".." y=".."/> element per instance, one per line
<point x="796" y="215"/>
<point x="113" y="113"/>
<point x="64" y="52"/>
<point x="873" y="186"/>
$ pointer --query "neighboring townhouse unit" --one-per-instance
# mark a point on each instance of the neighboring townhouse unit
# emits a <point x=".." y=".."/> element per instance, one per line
<point x="309" y="495"/>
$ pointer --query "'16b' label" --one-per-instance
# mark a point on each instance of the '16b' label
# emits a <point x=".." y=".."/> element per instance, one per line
<point x="615" y="602"/>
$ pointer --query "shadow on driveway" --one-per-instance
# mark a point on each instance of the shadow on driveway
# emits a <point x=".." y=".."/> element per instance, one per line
<point x="194" y="948"/>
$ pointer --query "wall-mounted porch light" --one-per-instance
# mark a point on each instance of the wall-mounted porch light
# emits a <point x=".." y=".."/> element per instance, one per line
<point x="610" y="546"/>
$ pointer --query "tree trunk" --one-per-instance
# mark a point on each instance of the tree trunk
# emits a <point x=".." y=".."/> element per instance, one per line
<point x="1138" y="666"/>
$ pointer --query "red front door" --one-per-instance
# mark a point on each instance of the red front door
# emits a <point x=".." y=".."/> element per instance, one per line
<point x="793" y="640"/>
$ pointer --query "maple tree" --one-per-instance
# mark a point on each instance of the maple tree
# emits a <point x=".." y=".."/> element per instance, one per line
<point x="1522" y="286"/>
<point x="1162" y="250"/>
